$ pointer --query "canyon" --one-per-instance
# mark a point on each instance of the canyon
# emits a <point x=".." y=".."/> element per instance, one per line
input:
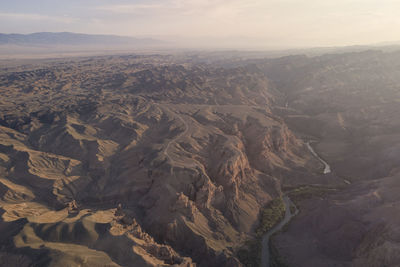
<point x="167" y="160"/>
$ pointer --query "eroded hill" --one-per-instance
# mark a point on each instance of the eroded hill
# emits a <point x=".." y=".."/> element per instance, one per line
<point x="167" y="160"/>
<point x="139" y="161"/>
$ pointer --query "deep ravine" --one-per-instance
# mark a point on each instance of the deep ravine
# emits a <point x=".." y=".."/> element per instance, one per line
<point x="265" y="253"/>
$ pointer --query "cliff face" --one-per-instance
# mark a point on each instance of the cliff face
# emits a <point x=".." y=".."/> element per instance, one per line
<point x="350" y="104"/>
<point x="139" y="160"/>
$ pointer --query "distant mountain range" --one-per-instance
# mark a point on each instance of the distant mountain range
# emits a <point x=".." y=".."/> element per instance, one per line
<point x="68" y="38"/>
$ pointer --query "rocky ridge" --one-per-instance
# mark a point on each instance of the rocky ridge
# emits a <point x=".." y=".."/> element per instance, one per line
<point x="190" y="151"/>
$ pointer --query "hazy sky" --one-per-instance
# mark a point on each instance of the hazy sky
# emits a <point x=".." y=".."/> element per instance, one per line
<point x="262" y="23"/>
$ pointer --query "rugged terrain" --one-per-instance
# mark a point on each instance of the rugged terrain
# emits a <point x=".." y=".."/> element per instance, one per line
<point x="162" y="160"/>
<point x="139" y="161"/>
<point x="350" y="104"/>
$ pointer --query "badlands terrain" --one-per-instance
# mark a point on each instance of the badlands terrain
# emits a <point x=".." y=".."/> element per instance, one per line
<point x="168" y="160"/>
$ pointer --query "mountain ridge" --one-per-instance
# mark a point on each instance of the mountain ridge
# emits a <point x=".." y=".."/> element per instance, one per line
<point x="70" y="38"/>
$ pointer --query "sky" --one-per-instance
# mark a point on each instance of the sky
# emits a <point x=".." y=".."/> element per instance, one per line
<point x="255" y="23"/>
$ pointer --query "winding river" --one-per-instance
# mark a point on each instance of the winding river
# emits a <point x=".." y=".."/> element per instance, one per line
<point x="265" y="254"/>
<point x="327" y="168"/>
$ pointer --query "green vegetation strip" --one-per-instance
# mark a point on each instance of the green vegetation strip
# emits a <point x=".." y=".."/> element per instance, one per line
<point x="276" y="260"/>
<point x="270" y="216"/>
<point x="306" y="192"/>
<point x="250" y="254"/>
